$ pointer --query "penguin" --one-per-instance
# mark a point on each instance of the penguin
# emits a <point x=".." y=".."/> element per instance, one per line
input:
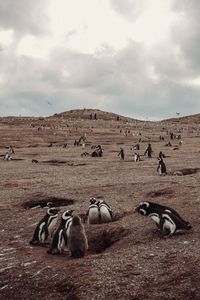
<point x="60" y="237"/>
<point x="121" y="153"/>
<point x="154" y="210"/>
<point x="93" y="212"/>
<point x="77" y="243"/>
<point x="34" y="161"/>
<point x="45" y="227"/>
<point x="106" y="214"/>
<point x="136" y="156"/>
<point x="42" y="205"/>
<point x="148" y="151"/>
<point x="168" y="223"/>
<point x="161" y="167"/>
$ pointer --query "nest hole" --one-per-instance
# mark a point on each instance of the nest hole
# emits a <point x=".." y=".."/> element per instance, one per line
<point x="186" y="171"/>
<point x="54" y="202"/>
<point x="100" y="240"/>
<point x="161" y="192"/>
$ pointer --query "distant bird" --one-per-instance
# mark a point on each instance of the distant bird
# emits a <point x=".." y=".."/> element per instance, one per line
<point x="178" y="114"/>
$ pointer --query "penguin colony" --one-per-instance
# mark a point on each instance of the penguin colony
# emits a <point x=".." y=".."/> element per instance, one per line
<point x="70" y="232"/>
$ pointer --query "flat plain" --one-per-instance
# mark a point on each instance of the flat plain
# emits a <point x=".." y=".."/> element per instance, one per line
<point x="126" y="258"/>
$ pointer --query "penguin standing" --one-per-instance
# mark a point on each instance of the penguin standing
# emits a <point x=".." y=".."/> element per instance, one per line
<point x="45" y="227"/>
<point x="77" y="243"/>
<point x="121" y="154"/>
<point x="61" y="235"/>
<point x="105" y="211"/>
<point x="148" y="151"/>
<point x="93" y="212"/>
<point x="161" y="167"/>
<point x="136" y="156"/>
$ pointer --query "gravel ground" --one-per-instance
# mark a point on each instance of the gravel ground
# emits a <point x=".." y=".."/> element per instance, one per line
<point x="126" y="259"/>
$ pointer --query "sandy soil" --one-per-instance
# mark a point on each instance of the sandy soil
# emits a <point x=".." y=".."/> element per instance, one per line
<point x="126" y="258"/>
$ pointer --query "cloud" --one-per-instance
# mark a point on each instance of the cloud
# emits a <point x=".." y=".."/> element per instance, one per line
<point x="24" y="16"/>
<point x="139" y="79"/>
<point x="128" y="8"/>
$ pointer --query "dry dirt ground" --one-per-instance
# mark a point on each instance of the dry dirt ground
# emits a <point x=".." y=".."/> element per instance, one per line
<point x="126" y="258"/>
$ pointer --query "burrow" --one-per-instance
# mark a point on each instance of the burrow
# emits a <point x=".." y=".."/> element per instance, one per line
<point x="102" y="238"/>
<point x="161" y="192"/>
<point x="44" y="201"/>
<point x="185" y="171"/>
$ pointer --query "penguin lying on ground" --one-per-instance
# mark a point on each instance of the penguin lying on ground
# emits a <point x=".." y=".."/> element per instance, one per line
<point x="77" y="243"/>
<point x="170" y="223"/>
<point x="60" y="237"/>
<point x="166" y="218"/>
<point x="45" y="227"/>
<point x="42" y="205"/>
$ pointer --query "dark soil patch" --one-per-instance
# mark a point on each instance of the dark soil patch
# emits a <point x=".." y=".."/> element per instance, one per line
<point x="161" y="192"/>
<point x="42" y="202"/>
<point x="186" y="171"/>
<point x="100" y="240"/>
<point x="54" y="161"/>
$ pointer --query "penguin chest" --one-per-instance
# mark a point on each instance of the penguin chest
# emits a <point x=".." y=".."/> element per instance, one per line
<point x="160" y="169"/>
<point x="67" y="226"/>
<point x="61" y="241"/>
<point x="105" y="214"/>
<point x="155" y="218"/>
<point x="93" y="216"/>
<point x="51" y="224"/>
<point x="42" y="233"/>
<point x="169" y="225"/>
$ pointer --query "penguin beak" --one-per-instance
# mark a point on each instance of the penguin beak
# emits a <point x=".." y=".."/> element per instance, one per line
<point x="137" y="209"/>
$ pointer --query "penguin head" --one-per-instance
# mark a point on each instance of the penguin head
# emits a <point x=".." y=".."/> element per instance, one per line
<point x="143" y="208"/>
<point x="52" y="211"/>
<point x="76" y="220"/>
<point x="93" y="200"/>
<point x="67" y="214"/>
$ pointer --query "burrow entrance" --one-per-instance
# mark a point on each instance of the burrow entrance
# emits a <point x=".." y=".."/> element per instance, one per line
<point x="186" y="171"/>
<point x="44" y="201"/>
<point x="102" y="239"/>
<point x="161" y="192"/>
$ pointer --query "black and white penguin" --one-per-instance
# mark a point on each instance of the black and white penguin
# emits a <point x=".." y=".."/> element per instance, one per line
<point x="121" y="153"/>
<point x="60" y="237"/>
<point x="42" y="205"/>
<point x="164" y="217"/>
<point x="148" y="207"/>
<point x="78" y="243"/>
<point x="93" y="214"/>
<point x="170" y="224"/>
<point x="45" y="227"/>
<point x="136" y="156"/>
<point x="105" y="211"/>
<point x="161" y="167"/>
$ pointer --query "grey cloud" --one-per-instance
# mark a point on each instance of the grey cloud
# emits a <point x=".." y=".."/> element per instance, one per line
<point x="128" y="8"/>
<point x="24" y="16"/>
<point x="120" y="82"/>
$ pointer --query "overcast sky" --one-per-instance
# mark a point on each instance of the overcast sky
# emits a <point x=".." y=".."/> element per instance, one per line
<point x="138" y="58"/>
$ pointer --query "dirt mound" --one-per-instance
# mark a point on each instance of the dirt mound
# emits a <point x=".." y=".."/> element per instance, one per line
<point x="43" y="201"/>
<point x="161" y="192"/>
